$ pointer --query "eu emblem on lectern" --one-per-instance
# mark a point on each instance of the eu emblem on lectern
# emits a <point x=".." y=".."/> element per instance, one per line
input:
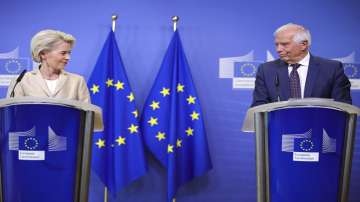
<point x="32" y="147"/>
<point x="307" y="148"/>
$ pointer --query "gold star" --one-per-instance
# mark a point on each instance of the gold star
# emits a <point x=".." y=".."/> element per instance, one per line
<point x="170" y="148"/>
<point x="119" y="85"/>
<point x="100" y="143"/>
<point x="131" y="97"/>
<point x="155" y="105"/>
<point x="109" y="82"/>
<point x="120" y="140"/>
<point x="165" y="92"/>
<point x="95" y="88"/>
<point x="189" y="131"/>
<point x="178" y="143"/>
<point x="191" y="99"/>
<point x="160" y="136"/>
<point x="136" y="113"/>
<point x="153" y="121"/>
<point x="194" y="115"/>
<point x="133" y="128"/>
<point x="180" y="88"/>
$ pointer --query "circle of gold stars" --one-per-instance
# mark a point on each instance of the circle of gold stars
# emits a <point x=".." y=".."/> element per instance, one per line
<point x="248" y="65"/>
<point x="33" y="141"/>
<point x="308" y="144"/>
<point x="13" y="66"/>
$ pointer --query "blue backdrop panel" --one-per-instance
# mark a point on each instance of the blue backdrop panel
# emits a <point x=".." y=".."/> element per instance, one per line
<point x="38" y="153"/>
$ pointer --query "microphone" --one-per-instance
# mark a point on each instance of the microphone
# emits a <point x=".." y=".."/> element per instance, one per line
<point x="277" y="83"/>
<point x="17" y="81"/>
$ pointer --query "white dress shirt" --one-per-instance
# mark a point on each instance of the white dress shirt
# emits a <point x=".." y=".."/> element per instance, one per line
<point x="302" y="71"/>
<point x="51" y="84"/>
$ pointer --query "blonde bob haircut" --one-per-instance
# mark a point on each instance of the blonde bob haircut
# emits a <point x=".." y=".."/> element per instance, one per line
<point x="46" y="40"/>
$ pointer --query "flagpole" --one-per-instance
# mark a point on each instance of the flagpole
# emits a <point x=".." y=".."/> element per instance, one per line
<point x="105" y="194"/>
<point x="175" y="18"/>
<point x="113" y="19"/>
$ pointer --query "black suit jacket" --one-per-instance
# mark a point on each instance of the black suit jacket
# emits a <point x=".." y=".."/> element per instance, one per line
<point x="325" y="79"/>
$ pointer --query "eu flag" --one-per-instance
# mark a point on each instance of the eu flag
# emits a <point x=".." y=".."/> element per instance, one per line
<point x="118" y="154"/>
<point x="246" y="69"/>
<point x="352" y="70"/>
<point x="172" y="121"/>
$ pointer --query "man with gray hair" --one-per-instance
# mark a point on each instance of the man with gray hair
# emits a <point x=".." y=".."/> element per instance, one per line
<point x="297" y="73"/>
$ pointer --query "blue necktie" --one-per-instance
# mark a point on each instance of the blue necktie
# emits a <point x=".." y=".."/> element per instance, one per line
<point x="295" y="88"/>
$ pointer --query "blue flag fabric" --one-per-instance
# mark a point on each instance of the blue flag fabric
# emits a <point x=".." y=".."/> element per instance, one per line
<point x="118" y="153"/>
<point x="172" y="121"/>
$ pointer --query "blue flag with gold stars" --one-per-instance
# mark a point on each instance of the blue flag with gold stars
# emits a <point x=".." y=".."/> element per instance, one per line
<point x="172" y="121"/>
<point x="118" y="153"/>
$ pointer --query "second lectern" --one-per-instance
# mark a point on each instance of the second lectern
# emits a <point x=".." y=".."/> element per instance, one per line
<point x="303" y="149"/>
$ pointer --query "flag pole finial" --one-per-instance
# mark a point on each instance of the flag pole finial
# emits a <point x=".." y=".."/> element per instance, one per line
<point x="175" y="19"/>
<point x="113" y="19"/>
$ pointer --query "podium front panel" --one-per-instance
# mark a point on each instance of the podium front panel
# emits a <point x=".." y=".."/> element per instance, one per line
<point x="305" y="152"/>
<point x="39" y="146"/>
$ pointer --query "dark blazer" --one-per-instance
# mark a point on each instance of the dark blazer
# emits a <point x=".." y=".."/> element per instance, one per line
<point x="325" y="79"/>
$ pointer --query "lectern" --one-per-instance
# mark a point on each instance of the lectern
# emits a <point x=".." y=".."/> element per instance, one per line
<point x="303" y="149"/>
<point x="46" y="149"/>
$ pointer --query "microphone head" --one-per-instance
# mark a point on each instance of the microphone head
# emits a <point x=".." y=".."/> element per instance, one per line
<point x="21" y="75"/>
<point x="277" y="82"/>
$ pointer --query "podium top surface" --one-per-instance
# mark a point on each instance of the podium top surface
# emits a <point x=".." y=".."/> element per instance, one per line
<point x="98" y="122"/>
<point x="248" y="125"/>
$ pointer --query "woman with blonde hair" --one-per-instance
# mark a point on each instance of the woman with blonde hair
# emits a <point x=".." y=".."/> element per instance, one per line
<point x="52" y="49"/>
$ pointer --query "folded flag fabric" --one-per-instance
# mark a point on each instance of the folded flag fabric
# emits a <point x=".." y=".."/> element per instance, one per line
<point x="172" y="122"/>
<point x="118" y="154"/>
